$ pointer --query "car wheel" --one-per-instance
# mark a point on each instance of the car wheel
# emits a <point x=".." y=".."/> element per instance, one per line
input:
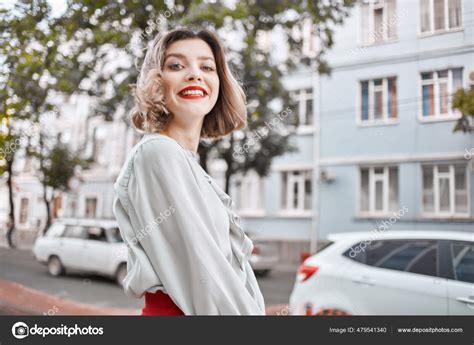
<point x="121" y="273"/>
<point x="262" y="273"/>
<point x="55" y="267"/>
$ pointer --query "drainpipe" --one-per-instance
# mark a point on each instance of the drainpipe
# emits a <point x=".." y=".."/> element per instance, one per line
<point x="316" y="168"/>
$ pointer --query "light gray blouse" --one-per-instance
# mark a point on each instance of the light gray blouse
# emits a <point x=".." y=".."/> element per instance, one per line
<point x="182" y="235"/>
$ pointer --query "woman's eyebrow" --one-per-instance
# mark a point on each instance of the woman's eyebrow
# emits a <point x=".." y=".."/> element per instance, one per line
<point x="181" y="56"/>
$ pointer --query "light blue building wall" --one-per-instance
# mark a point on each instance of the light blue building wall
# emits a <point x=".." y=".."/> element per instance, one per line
<point x="410" y="141"/>
<point x="348" y="150"/>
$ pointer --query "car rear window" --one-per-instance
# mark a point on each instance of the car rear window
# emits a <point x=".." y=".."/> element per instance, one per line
<point x="463" y="261"/>
<point x="74" y="231"/>
<point x="414" y="256"/>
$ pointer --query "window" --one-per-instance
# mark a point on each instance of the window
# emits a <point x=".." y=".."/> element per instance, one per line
<point x="309" y="48"/>
<point x="378" y="100"/>
<point x="96" y="234"/>
<point x="414" y="256"/>
<point x="73" y="231"/>
<point x="437" y="89"/>
<point x="378" y="22"/>
<point x="303" y="102"/>
<point x="91" y="207"/>
<point x="378" y="190"/>
<point x="249" y="192"/>
<point x="445" y="190"/>
<point x="72" y="202"/>
<point x="55" y="230"/>
<point x="296" y="190"/>
<point x="24" y="203"/>
<point x="305" y="33"/>
<point x="440" y="15"/>
<point x="463" y="261"/>
<point x="99" y="145"/>
<point x="115" y="235"/>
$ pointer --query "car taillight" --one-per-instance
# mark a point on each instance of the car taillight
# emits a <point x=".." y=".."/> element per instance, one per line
<point x="256" y="250"/>
<point x="306" y="271"/>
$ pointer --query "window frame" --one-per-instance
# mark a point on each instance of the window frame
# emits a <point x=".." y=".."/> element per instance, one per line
<point x="371" y="212"/>
<point x="370" y="27"/>
<point x="371" y="121"/>
<point x="89" y="195"/>
<point x="451" y="114"/>
<point x="446" y="29"/>
<point x="305" y="174"/>
<point x="26" y="210"/>
<point x="452" y="196"/>
<point x="257" y="187"/>
<point x="300" y="96"/>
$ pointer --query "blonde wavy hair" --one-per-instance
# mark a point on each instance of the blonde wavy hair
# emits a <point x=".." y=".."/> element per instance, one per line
<point x="150" y="113"/>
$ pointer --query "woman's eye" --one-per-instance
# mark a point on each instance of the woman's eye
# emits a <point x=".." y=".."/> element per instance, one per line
<point x="175" y="66"/>
<point x="208" y="68"/>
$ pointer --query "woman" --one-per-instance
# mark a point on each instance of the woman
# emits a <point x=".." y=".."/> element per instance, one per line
<point x="186" y="250"/>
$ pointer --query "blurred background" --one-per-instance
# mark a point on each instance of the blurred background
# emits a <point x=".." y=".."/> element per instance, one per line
<point x="354" y="176"/>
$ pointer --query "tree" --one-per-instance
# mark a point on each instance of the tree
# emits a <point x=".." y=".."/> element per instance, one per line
<point x="21" y="99"/>
<point x="57" y="168"/>
<point x="463" y="101"/>
<point x="100" y="28"/>
<point x="33" y="69"/>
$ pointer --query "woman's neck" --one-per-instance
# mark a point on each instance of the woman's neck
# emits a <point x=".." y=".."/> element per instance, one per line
<point x="186" y="138"/>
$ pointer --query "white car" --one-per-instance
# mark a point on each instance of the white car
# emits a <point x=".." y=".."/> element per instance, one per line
<point x="92" y="246"/>
<point x="391" y="273"/>
<point x="264" y="257"/>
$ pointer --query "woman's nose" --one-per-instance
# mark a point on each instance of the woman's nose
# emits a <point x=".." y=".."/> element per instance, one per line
<point x="194" y="75"/>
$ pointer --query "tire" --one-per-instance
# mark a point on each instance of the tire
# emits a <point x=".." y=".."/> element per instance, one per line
<point x="55" y="266"/>
<point x="121" y="273"/>
<point x="262" y="273"/>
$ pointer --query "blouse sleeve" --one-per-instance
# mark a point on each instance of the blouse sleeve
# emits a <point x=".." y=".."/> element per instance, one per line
<point x="176" y="225"/>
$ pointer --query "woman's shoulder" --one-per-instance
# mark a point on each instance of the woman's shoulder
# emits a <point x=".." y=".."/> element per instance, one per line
<point x="157" y="148"/>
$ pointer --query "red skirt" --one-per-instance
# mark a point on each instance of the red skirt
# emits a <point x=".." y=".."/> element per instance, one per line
<point x="159" y="303"/>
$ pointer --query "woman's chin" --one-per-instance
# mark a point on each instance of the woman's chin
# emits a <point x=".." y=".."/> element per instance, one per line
<point x="194" y="112"/>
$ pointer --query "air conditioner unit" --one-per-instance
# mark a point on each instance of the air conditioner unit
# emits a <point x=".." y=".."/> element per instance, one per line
<point x="326" y="176"/>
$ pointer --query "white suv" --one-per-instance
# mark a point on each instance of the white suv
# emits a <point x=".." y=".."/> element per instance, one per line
<point x="392" y="273"/>
<point x="93" y="246"/>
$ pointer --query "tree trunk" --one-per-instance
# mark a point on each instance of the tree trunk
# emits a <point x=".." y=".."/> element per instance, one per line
<point x="47" y="203"/>
<point x="229" y="161"/>
<point x="203" y="155"/>
<point x="11" y="215"/>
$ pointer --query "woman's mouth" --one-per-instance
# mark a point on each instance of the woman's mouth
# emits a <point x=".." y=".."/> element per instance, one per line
<point x="193" y="92"/>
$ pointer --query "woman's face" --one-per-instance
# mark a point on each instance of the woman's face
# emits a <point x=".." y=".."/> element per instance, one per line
<point x="190" y="79"/>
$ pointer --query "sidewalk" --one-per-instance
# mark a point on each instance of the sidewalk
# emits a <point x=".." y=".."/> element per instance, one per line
<point x="17" y="299"/>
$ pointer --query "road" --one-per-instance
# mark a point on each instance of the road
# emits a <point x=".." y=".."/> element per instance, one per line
<point x="20" y="266"/>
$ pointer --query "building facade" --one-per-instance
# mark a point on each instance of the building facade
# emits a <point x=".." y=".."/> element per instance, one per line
<point x="376" y="148"/>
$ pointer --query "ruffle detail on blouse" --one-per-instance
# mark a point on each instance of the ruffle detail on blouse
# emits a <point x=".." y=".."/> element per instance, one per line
<point x="244" y="246"/>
